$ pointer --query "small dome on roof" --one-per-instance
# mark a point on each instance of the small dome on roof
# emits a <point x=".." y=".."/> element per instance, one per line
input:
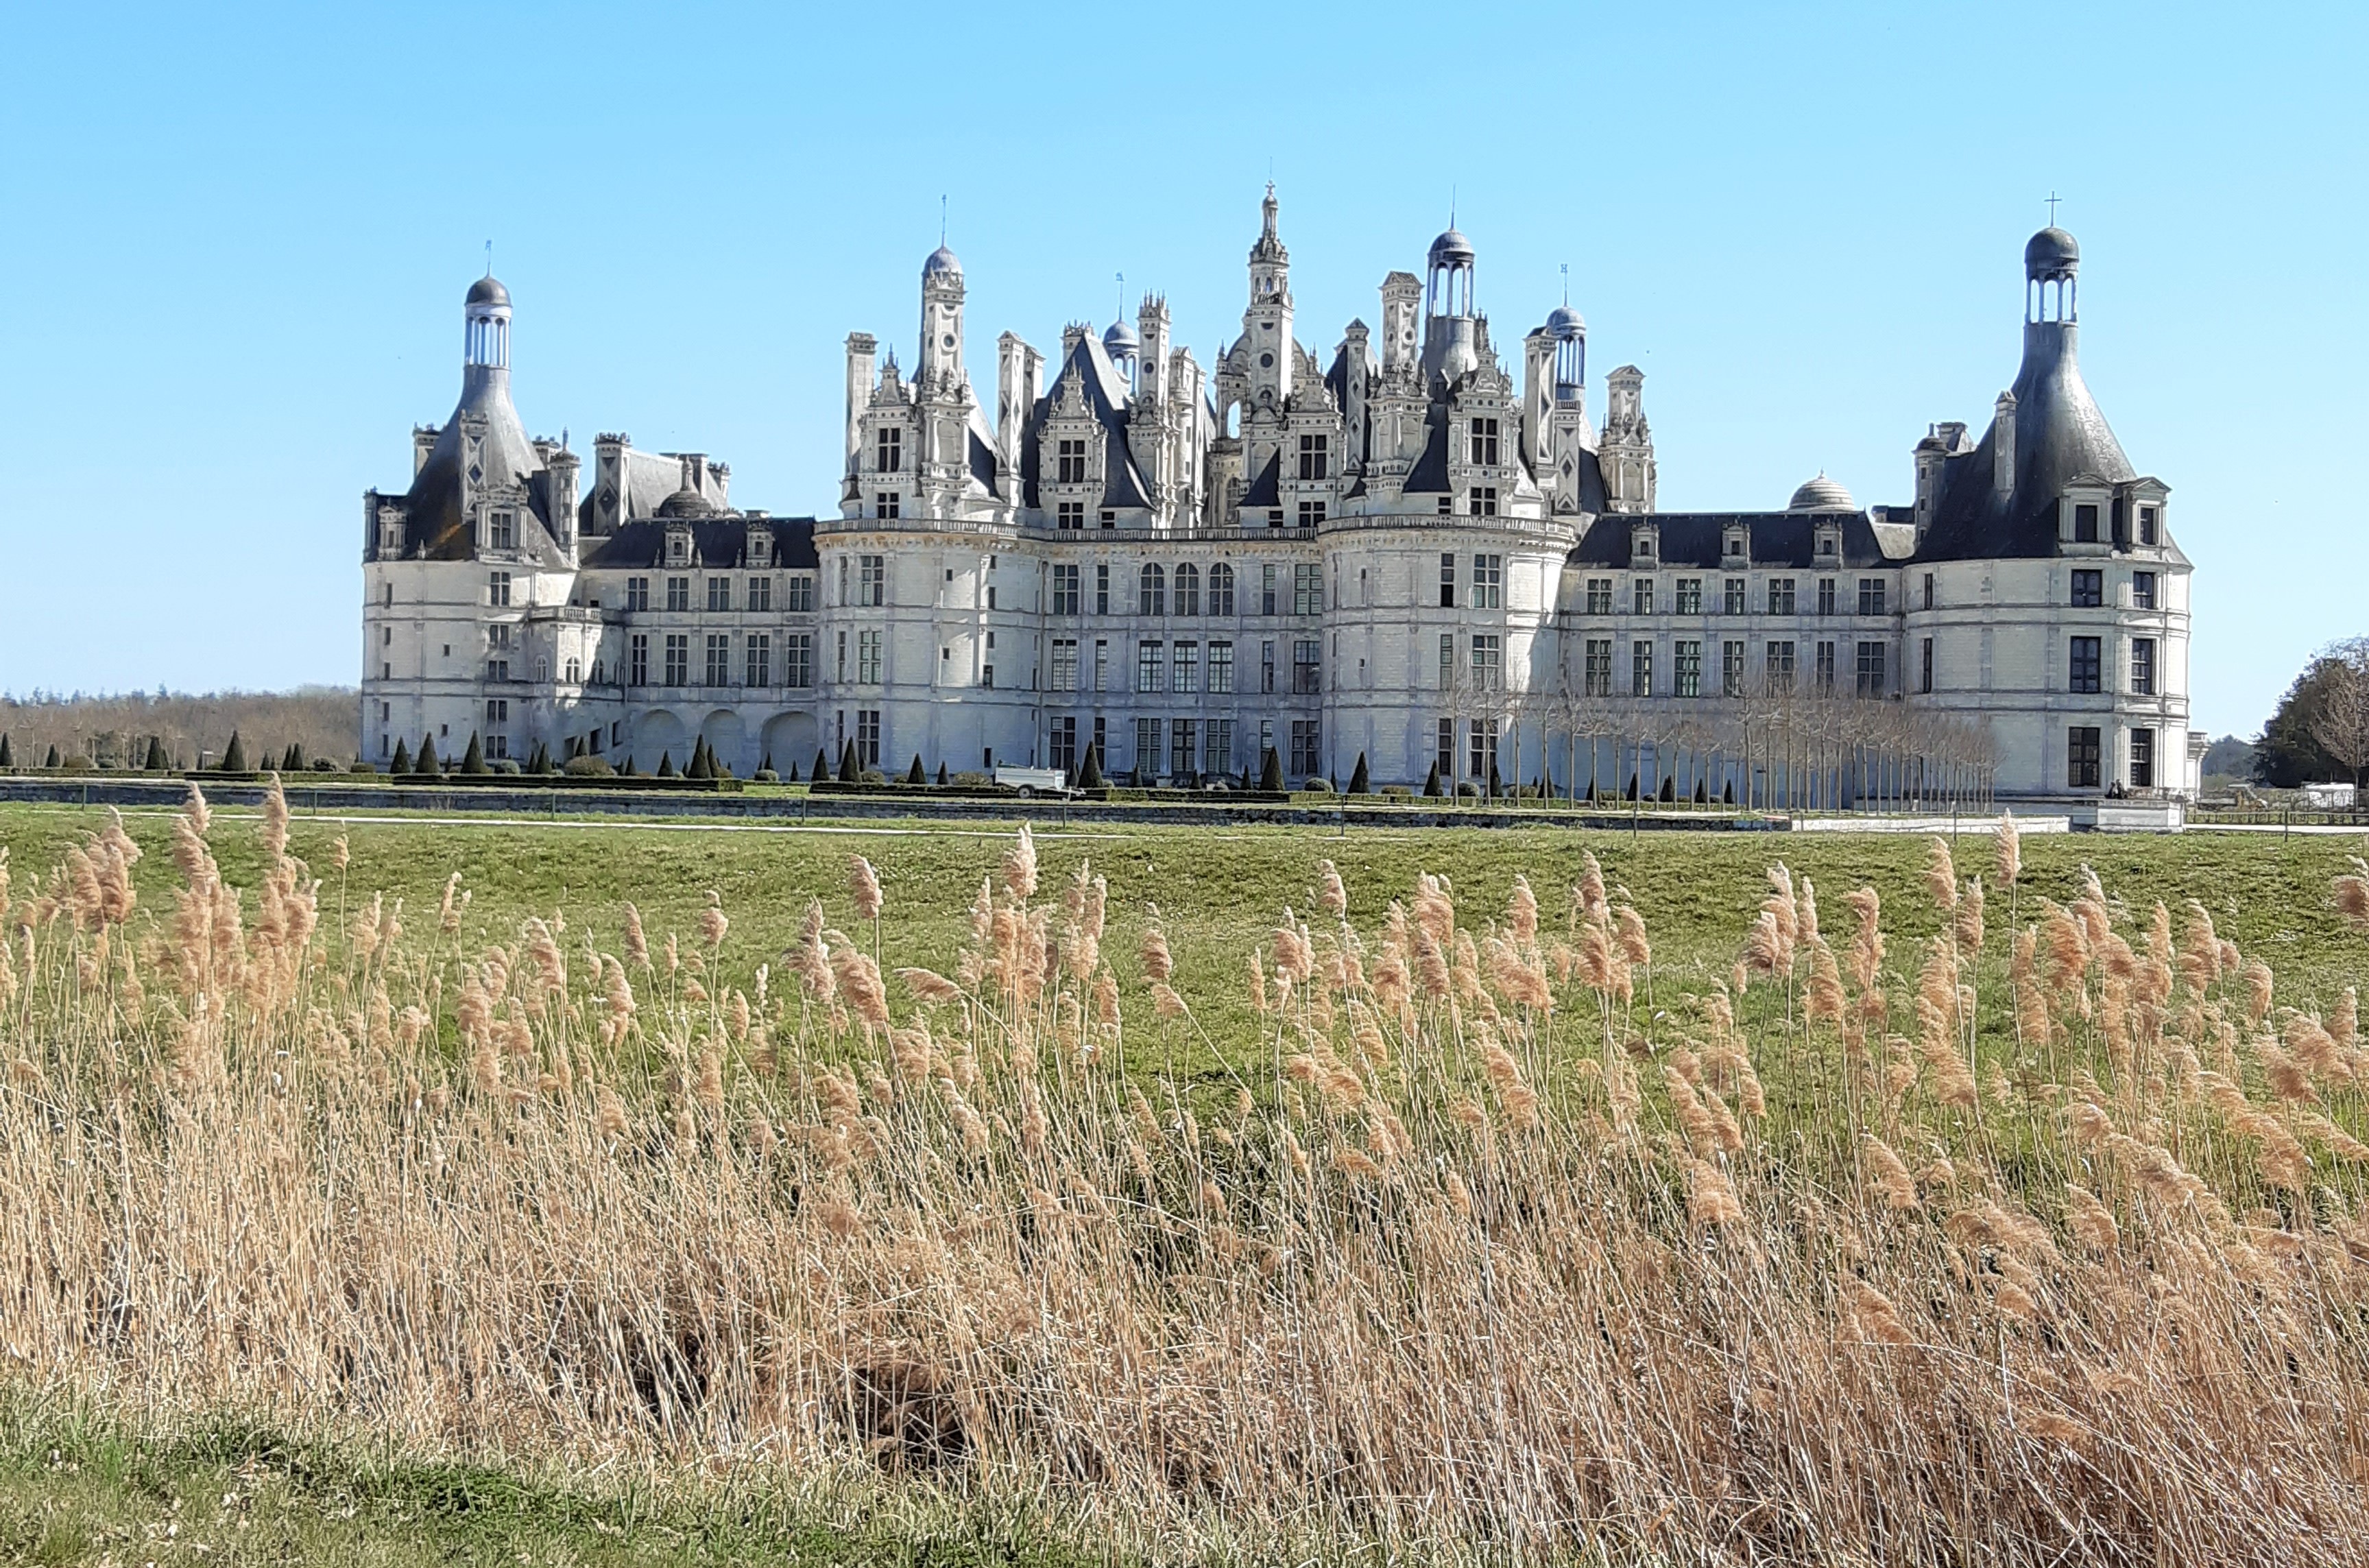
<point x="488" y="290"/>
<point x="1450" y="245"/>
<point x="940" y="264"/>
<point x="1121" y="339"/>
<point x="1562" y="322"/>
<point x="2051" y="253"/>
<point x="686" y="502"/>
<point x="1822" y="494"/>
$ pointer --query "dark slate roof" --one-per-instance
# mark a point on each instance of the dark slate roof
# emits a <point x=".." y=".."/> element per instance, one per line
<point x="2059" y="435"/>
<point x="1696" y="539"/>
<point x="434" y="526"/>
<point x="1106" y="396"/>
<point x="715" y="541"/>
<point x="1266" y="489"/>
<point x="1429" y="474"/>
<point x="981" y="449"/>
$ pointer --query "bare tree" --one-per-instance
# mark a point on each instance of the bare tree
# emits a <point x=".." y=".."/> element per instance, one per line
<point x="2341" y="725"/>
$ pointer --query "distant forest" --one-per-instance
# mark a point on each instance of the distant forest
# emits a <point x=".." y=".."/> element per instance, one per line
<point x="113" y="730"/>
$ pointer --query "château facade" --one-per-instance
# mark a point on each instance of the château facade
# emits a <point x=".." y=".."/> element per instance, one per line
<point x="1405" y="552"/>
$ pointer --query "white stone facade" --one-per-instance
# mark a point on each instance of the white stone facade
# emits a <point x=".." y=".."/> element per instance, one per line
<point x="1405" y="555"/>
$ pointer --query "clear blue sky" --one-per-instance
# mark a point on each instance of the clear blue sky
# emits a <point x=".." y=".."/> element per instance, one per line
<point x="239" y="236"/>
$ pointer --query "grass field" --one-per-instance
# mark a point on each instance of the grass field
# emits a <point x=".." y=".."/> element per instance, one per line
<point x="1668" y="1217"/>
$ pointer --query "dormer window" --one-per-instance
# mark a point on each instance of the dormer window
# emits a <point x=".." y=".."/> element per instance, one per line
<point x="1071" y="463"/>
<point x="889" y="450"/>
<point x="2085" y="522"/>
<point x="677" y="549"/>
<point x="1826" y="544"/>
<point x="2150" y="528"/>
<point x="1735" y="548"/>
<point x="1483" y="443"/>
<point x="760" y="546"/>
<point x="501" y="529"/>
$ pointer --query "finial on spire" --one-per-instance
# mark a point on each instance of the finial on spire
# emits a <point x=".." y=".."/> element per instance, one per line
<point x="1566" y="282"/>
<point x="941" y="220"/>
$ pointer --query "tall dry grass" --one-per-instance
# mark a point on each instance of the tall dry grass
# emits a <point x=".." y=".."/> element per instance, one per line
<point x="1496" y="1245"/>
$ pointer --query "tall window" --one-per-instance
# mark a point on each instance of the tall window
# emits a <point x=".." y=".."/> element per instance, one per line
<point x="501" y="530"/>
<point x="1779" y="662"/>
<point x="678" y="658"/>
<point x="889" y="450"/>
<point x="1102" y="588"/>
<point x="1483" y="500"/>
<point x="1599" y="596"/>
<point x="867" y="738"/>
<point x="1151" y="591"/>
<point x="678" y="593"/>
<point x="1825" y="670"/>
<point x="1062" y="744"/>
<point x="1070" y="514"/>
<point x="1483" y="443"/>
<point x="1641" y="669"/>
<point x="1268" y="591"/>
<point x="1871" y="669"/>
<point x="719" y="660"/>
<point x="1266" y="664"/>
<point x="1825" y="596"/>
<point x="1488" y="661"/>
<point x="1216" y="745"/>
<point x="1147" y="746"/>
<point x="1181" y="735"/>
<point x="498" y="589"/>
<point x="1188" y="588"/>
<point x="2146" y="525"/>
<point x="1308" y="590"/>
<point x="637" y="661"/>
<point x="1221" y="590"/>
<point x="871" y="580"/>
<point x="761" y="594"/>
<point x="2085" y="523"/>
<point x="1870" y="596"/>
<point x="1447" y="580"/>
<point x="1596" y="678"/>
<point x="1065" y="664"/>
<point x="1732" y="598"/>
<point x="1314" y="456"/>
<point x="1065" y="589"/>
<point x="1686" y="669"/>
<point x="1690" y="596"/>
<point x="760" y="671"/>
<point x="1071" y="463"/>
<point x="719" y="593"/>
<point x="2143" y="758"/>
<point x="802" y="593"/>
<point x="1482" y="734"/>
<point x="888" y="503"/>
<point x="1488" y="582"/>
<point x="1925" y="666"/>
<point x="1221" y="668"/>
<point x="1731" y="668"/>
<point x="1443" y="747"/>
<point x="2082" y="756"/>
<point x="1640" y="596"/>
<point x="1307" y="660"/>
<point x="1102" y="666"/>
<point x="1446" y="660"/>
<point x="1928" y="590"/>
<point x="1307" y="755"/>
<point x="1151" y="665"/>
<point x="2142" y="590"/>
<point x="637" y="593"/>
<point x="1780" y="596"/>
<point x="1184" y="669"/>
<point x="867" y="658"/>
<point x="1311" y="514"/>
<point x="2142" y="667"/>
<point x="2088" y="590"/>
<point x="2083" y="668"/>
<point x="797" y="659"/>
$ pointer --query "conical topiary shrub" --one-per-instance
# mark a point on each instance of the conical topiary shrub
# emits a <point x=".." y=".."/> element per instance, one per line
<point x="793" y="772"/>
<point x="767" y="765"/>
<point x="1360" y="783"/>
<point x="154" y="762"/>
<point x="914" y="775"/>
<point x="850" y="770"/>
<point x="425" y="764"/>
<point x="7" y="753"/>
<point x="1431" y="782"/>
<point x="822" y="765"/>
<point x="666" y="764"/>
<point x="942" y="772"/>
<point x="1497" y="784"/>
<point x="1090" y="772"/>
<point x="1271" y="773"/>
<point x="402" y="763"/>
<point x="629" y="771"/>
<point x="233" y="758"/>
<point x="473" y="761"/>
<point x="53" y="760"/>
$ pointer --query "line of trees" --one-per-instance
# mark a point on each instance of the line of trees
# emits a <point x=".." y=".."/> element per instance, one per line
<point x="116" y="730"/>
<point x="2319" y="731"/>
<point x="1789" y="749"/>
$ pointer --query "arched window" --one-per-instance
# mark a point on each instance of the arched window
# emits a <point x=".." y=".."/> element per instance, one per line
<point x="1221" y="590"/>
<point x="1188" y="588"/>
<point x="1151" y="591"/>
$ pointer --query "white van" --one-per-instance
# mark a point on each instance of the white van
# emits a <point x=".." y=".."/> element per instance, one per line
<point x="1032" y="781"/>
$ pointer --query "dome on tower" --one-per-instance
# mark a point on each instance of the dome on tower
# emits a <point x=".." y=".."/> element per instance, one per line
<point x="488" y="290"/>
<point x="1450" y="245"/>
<point x="686" y="502"/>
<point x="2051" y="253"/>
<point x="940" y="264"/>
<point x="1822" y="494"/>
<point x="1562" y="322"/>
<point x="1121" y="340"/>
